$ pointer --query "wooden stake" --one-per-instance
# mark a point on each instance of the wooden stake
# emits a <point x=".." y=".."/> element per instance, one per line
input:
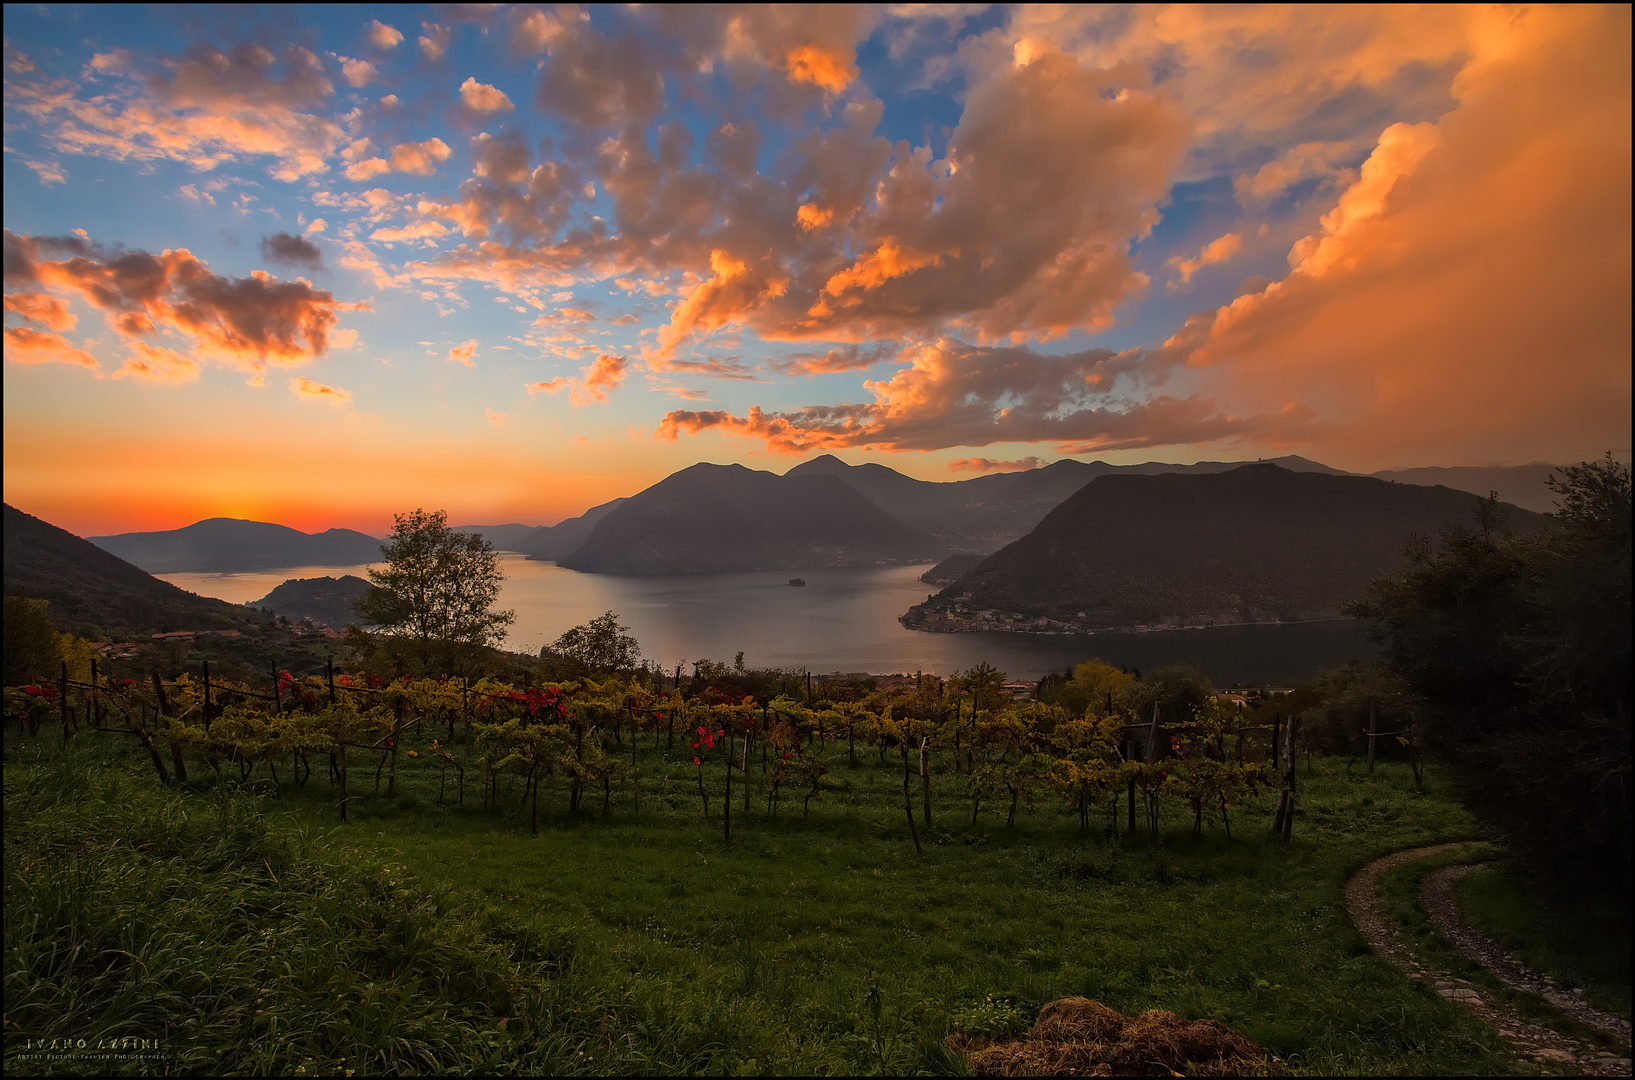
<point x="908" y="804"/>
<point x="1373" y="731"/>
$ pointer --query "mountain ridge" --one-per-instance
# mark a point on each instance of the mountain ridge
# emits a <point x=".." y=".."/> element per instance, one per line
<point x="233" y="545"/>
<point x="1255" y="544"/>
<point x="717" y="518"/>
<point x="89" y="589"/>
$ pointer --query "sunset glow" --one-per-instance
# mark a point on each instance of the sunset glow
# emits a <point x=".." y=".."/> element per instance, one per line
<point x="293" y="265"/>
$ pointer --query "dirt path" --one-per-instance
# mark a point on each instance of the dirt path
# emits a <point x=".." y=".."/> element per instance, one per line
<point x="1529" y="1039"/>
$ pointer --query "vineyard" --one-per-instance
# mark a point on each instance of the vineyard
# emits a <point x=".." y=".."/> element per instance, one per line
<point x="558" y="743"/>
<point x="423" y="875"/>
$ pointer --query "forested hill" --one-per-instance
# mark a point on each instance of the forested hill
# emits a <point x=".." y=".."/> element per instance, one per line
<point x="230" y="545"/>
<point x="985" y="513"/>
<point x="327" y="601"/>
<point x="1256" y="544"/>
<point x="726" y="517"/>
<point x="92" y="593"/>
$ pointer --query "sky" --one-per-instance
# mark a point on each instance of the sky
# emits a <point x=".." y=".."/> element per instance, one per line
<point x="318" y="265"/>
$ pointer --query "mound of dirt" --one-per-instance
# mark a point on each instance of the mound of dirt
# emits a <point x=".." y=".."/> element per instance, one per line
<point x="1080" y="1037"/>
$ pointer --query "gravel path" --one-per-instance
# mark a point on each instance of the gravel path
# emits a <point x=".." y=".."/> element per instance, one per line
<point x="1530" y="1040"/>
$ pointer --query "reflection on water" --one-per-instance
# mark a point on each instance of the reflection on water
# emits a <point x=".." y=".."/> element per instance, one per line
<point x="843" y="620"/>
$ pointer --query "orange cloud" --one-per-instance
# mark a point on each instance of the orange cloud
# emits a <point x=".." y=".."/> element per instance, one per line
<point x="25" y="345"/>
<point x="988" y="465"/>
<point x="434" y="42"/>
<point x="880" y="265"/>
<point x="830" y="69"/>
<point x="812" y="217"/>
<point x="244" y="321"/>
<point x="482" y="98"/>
<point x="358" y="73"/>
<point x="600" y="378"/>
<point x="1468" y="295"/>
<point x="955" y="394"/>
<point x="154" y="363"/>
<point x="735" y="290"/>
<point x="1218" y="250"/>
<point x="306" y="388"/>
<point x="495" y="418"/>
<point x="548" y="386"/>
<point x="843" y="358"/>
<point x="42" y="310"/>
<point x="204" y="108"/>
<point x="383" y="36"/>
<point x="462" y="353"/>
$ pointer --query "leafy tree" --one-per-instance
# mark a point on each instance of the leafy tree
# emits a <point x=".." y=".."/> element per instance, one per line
<point x="30" y="642"/>
<point x="435" y="596"/>
<point x="1177" y="689"/>
<point x="601" y="645"/>
<point x="1089" y="688"/>
<point x="1521" y="647"/>
<point x="986" y="684"/>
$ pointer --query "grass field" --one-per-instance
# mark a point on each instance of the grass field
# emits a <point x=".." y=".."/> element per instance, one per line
<point x="253" y="932"/>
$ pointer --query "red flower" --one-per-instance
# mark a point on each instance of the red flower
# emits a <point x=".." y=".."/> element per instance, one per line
<point x="696" y="761"/>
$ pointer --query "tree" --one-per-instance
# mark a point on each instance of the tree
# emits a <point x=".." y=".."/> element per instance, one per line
<point x="435" y="596"/>
<point x="1521" y="647"/>
<point x="601" y="645"/>
<point x="30" y="641"/>
<point x="1092" y="684"/>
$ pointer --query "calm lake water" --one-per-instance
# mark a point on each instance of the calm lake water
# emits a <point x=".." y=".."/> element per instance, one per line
<point x="843" y="620"/>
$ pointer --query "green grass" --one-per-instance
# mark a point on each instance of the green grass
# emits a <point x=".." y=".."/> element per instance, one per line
<point x="1582" y="944"/>
<point x="400" y="941"/>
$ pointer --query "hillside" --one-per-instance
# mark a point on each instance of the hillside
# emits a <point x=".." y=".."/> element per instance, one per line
<point x="230" y="545"/>
<point x="93" y="593"/>
<point x="327" y="601"/>
<point x="554" y="541"/>
<point x="1257" y="544"/>
<point x="987" y="512"/>
<point x="725" y="517"/>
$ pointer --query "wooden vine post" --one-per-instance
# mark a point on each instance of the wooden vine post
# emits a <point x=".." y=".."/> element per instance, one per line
<point x="1283" y="823"/>
<point x="1129" y="757"/>
<point x="908" y="802"/>
<point x="726" y="804"/>
<point x="397" y="737"/>
<point x="92" y="715"/>
<point x="1373" y="733"/>
<point x="142" y="730"/>
<point x="62" y="700"/>
<point x="925" y="776"/>
<point x="207" y="696"/>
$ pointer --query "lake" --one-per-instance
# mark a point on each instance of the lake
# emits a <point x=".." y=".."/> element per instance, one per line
<point x="842" y="620"/>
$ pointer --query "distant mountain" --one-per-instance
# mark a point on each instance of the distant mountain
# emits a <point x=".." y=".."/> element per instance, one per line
<point x="229" y="545"/>
<point x="1258" y="543"/>
<point x="1520" y="485"/>
<point x="726" y="517"/>
<point x="327" y="601"/>
<point x="554" y="541"/>
<point x="985" y="513"/>
<point x="504" y="537"/>
<point x="89" y="591"/>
